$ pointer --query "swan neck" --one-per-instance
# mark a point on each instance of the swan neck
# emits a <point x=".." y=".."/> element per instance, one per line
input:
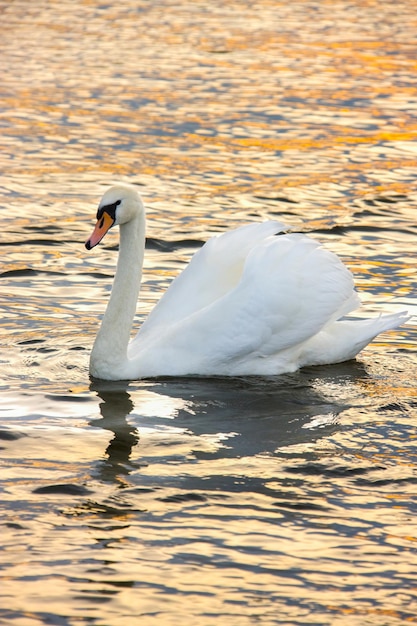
<point x="110" y="347"/>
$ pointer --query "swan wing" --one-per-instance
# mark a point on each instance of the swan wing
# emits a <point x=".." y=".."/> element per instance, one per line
<point x="289" y="289"/>
<point x="213" y="271"/>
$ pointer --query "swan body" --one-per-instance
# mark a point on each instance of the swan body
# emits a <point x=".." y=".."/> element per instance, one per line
<point x="249" y="302"/>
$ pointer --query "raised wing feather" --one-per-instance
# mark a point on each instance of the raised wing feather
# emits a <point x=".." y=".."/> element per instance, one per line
<point x="213" y="271"/>
<point x="289" y="289"/>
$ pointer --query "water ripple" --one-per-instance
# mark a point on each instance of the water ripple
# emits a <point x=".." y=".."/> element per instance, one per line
<point x="202" y="501"/>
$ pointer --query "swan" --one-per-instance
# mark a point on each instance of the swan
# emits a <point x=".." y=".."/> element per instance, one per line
<point x="248" y="303"/>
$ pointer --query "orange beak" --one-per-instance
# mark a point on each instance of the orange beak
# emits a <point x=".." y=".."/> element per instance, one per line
<point x="103" y="225"/>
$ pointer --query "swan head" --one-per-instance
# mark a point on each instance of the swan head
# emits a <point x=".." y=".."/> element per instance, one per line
<point x="120" y="204"/>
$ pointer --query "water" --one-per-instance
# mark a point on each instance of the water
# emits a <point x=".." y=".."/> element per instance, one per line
<point x="287" y="500"/>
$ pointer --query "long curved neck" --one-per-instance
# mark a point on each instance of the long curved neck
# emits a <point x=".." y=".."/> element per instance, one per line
<point x="110" y="347"/>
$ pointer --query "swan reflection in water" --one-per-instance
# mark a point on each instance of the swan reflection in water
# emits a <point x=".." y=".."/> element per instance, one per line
<point x="240" y="417"/>
<point x="116" y="405"/>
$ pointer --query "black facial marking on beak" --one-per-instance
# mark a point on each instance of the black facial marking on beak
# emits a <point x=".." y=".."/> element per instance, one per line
<point x="110" y="209"/>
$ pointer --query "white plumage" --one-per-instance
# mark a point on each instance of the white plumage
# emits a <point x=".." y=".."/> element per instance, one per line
<point x="249" y="302"/>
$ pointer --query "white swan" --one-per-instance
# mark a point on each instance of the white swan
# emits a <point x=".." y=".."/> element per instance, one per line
<point x="247" y="303"/>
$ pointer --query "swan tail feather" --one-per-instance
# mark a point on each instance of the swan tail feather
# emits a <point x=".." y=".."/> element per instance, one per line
<point x="344" y="339"/>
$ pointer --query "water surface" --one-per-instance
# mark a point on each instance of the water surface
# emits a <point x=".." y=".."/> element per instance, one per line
<point x="286" y="500"/>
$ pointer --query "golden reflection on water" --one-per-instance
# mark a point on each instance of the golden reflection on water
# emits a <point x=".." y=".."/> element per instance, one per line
<point x="204" y="501"/>
<point x="243" y="94"/>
